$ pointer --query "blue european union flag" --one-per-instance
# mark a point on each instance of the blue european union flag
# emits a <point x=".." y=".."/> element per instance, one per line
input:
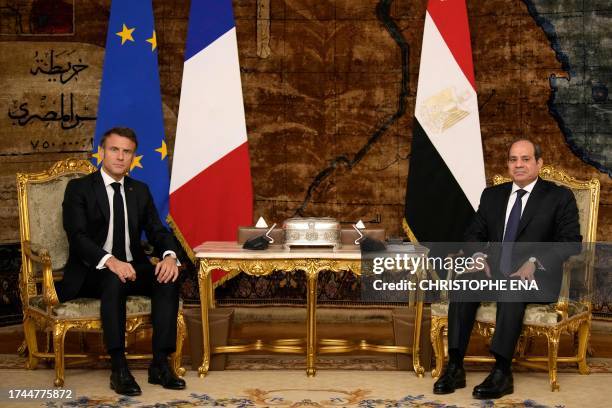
<point x="130" y="94"/>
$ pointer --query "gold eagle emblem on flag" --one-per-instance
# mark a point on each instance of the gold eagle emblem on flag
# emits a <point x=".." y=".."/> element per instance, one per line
<point x="444" y="109"/>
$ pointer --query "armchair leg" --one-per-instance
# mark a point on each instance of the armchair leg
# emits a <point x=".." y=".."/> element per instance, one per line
<point x="436" y="333"/>
<point x="524" y="346"/>
<point x="29" y="329"/>
<point x="553" y="350"/>
<point x="47" y="347"/>
<point x="521" y="345"/>
<point x="59" y="334"/>
<point x="180" y="339"/>
<point x="583" y="342"/>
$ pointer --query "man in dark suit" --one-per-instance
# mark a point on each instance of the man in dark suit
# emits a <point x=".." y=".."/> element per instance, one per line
<point x="519" y="214"/>
<point x="104" y="215"/>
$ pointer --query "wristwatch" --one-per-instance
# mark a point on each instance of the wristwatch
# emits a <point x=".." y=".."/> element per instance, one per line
<point x="537" y="263"/>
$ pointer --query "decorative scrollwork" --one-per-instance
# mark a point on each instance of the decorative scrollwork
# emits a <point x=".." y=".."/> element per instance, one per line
<point x="70" y="165"/>
<point x="60" y="168"/>
<point x="133" y="323"/>
<point x="438" y="324"/>
<point x="262" y="267"/>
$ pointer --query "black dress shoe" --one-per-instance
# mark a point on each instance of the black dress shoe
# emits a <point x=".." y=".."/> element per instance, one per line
<point x="164" y="376"/>
<point x="496" y="385"/>
<point x="452" y="378"/>
<point x="123" y="382"/>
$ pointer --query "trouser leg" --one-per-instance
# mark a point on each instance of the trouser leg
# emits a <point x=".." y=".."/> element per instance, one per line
<point x="106" y="286"/>
<point x="461" y="316"/>
<point x="508" y="327"/>
<point x="165" y="302"/>
<point x="164" y="307"/>
<point x="112" y="310"/>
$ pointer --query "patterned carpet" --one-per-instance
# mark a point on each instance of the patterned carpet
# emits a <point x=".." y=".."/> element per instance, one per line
<point x="378" y="363"/>
<point x="292" y="388"/>
<point x="287" y="362"/>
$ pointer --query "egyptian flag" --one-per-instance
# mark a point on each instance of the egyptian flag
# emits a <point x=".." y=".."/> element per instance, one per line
<point x="210" y="186"/>
<point x="446" y="175"/>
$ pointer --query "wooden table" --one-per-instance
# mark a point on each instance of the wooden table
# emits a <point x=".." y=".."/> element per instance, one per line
<point x="232" y="258"/>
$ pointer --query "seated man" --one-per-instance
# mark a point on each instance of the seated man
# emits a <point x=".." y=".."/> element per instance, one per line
<point x="104" y="215"/>
<point x="527" y="210"/>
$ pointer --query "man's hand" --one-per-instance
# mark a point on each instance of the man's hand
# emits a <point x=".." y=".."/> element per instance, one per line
<point x="166" y="270"/>
<point x="123" y="270"/>
<point x="525" y="272"/>
<point x="480" y="264"/>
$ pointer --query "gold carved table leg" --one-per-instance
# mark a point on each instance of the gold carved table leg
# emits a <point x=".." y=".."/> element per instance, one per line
<point x="418" y="321"/>
<point x="416" y="345"/>
<point x="180" y="339"/>
<point x="311" y="322"/>
<point x="205" y="283"/>
<point x="438" y="324"/>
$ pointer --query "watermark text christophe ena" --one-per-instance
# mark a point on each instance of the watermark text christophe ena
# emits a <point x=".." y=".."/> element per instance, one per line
<point x="460" y="265"/>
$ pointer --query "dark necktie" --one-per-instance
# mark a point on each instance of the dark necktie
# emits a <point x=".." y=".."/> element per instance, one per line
<point x="118" y="224"/>
<point x="510" y="235"/>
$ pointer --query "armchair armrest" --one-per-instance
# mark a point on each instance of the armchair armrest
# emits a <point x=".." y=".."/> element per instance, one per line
<point x="41" y="256"/>
<point x="577" y="262"/>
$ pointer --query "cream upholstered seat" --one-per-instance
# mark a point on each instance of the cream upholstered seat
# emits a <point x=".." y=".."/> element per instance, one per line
<point x="88" y="308"/>
<point x="535" y="314"/>
<point x="44" y="248"/>
<point x="567" y="315"/>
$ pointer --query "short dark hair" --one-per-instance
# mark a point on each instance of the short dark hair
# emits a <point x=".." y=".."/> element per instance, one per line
<point x="537" y="150"/>
<point x="121" y="131"/>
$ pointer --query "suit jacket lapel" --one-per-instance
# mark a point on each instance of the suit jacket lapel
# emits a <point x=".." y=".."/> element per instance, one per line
<point x="533" y="202"/>
<point x="101" y="195"/>
<point x="501" y="215"/>
<point x="132" y="208"/>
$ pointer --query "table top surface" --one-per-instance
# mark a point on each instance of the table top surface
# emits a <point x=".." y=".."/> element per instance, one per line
<point x="233" y="250"/>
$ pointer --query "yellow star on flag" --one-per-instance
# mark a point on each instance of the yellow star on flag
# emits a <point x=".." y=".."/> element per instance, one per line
<point x="98" y="156"/>
<point x="136" y="162"/>
<point x="126" y="34"/>
<point x="153" y="41"/>
<point x="163" y="150"/>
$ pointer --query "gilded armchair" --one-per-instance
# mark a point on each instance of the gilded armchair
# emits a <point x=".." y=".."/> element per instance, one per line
<point x="567" y="315"/>
<point x="44" y="249"/>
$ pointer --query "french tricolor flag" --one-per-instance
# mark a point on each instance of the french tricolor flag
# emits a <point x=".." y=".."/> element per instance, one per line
<point x="446" y="174"/>
<point x="210" y="188"/>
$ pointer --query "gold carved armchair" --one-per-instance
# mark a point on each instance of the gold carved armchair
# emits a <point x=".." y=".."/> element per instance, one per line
<point x="567" y="315"/>
<point x="44" y="249"/>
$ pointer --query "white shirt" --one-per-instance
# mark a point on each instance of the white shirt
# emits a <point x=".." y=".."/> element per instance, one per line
<point x="528" y="188"/>
<point x="108" y="244"/>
